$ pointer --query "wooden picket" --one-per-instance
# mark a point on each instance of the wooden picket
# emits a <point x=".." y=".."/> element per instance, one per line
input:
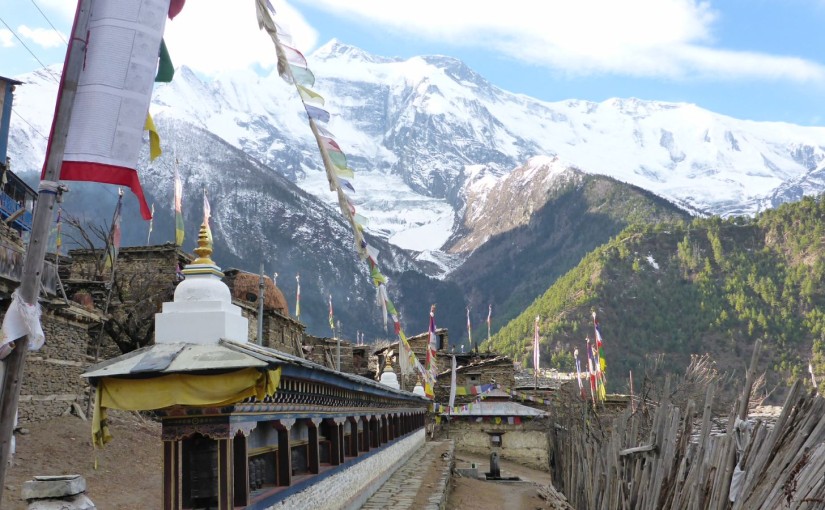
<point x="661" y="457"/>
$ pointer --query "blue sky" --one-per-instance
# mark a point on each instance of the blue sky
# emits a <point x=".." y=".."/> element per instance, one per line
<point x="750" y="59"/>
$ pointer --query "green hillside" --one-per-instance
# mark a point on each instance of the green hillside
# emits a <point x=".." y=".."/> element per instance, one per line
<point x="513" y="268"/>
<point x="708" y="285"/>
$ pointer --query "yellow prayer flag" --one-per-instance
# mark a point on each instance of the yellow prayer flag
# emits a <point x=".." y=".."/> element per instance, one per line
<point x="154" y="138"/>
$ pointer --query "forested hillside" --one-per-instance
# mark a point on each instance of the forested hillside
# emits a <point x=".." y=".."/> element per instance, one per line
<point x="709" y="285"/>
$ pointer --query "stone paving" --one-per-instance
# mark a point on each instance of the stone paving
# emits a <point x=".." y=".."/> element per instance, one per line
<point x="400" y="491"/>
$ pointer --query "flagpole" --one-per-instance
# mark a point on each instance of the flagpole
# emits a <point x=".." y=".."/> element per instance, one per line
<point x="111" y="285"/>
<point x="36" y="251"/>
<point x="149" y="235"/>
<point x="261" y="307"/>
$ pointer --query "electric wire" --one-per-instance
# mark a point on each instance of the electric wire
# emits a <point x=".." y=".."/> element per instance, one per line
<point x="50" y="23"/>
<point x="30" y="124"/>
<point x="29" y="50"/>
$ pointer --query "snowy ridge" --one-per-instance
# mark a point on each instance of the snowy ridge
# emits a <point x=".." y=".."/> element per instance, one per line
<point x="427" y="135"/>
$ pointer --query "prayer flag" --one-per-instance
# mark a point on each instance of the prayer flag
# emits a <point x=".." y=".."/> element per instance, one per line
<point x="536" y="354"/>
<point x="489" y="317"/>
<point x="345" y="183"/>
<point x="452" y="383"/>
<point x="599" y="346"/>
<point x="469" y="329"/>
<point x="175" y="6"/>
<point x="179" y="233"/>
<point x="59" y="238"/>
<point x="578" y="372"/>
<point x="331" y="318"/>
<point x="302" y="75"/>
<point x="310" y="96"/>
<point x="166" y="71"/>
<point x="318" y="114"/>
<point x="432" y="347"/>
<point x="298" y="297"/>
<point x="294" y="56"/>
<point x="114" y="237"/>
<point x="151" y="221"/>
<point x="109" y="108"/>
<point x="154" y="138"/>
<point x="591" y="371"/>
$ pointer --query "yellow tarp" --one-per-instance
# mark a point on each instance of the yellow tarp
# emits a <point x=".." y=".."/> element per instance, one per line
<point x="177" y="389"/>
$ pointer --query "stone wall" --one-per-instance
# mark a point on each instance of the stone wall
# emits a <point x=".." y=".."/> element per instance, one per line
<point x="323" y="351"/>
<point x="146" y="277"/>
<point x="280" y="332"/>
<point x="498" y="370"/>
<point x="351" y="487"/>
<point x="526" y="444"/>
<point x="51" y="380"/>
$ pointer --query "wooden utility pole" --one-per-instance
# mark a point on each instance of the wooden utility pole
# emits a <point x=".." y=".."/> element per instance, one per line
<point x="36" y="250"/>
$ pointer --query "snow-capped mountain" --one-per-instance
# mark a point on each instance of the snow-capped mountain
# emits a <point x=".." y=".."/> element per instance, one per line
<point x="416" y="130"/>
<point x="439" y="155"/>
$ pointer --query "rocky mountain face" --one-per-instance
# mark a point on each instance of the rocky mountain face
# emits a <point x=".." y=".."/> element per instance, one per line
<point x="532" y="226"/>
<point x="434" y="146"/>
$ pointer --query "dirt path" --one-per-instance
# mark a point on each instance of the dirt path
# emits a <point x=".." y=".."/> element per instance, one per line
<point x="472" y="494"/>
<point x="129" y="468"/>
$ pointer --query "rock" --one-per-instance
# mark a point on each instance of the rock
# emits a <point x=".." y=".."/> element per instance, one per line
<point x="22" y="431"/>
<point x="76" y="502"/>
<point x="43" y="487"/>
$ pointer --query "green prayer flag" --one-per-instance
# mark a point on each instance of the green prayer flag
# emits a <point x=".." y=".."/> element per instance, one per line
<point x="166" y="71"/>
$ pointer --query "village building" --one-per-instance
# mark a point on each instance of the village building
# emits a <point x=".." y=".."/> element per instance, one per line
<point x="52" y="384"/>
<point x="472" y="370"/>
<point x="494" y="423"/>
<point x="246" y="426"/>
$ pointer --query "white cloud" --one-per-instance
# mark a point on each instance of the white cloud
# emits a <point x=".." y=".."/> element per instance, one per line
<point x="211" y="37"/>
<point x="656" y="38"/>
<point x="43" y="37"/>
<point x="6" y="38"/>
<point x="64" y="9"/>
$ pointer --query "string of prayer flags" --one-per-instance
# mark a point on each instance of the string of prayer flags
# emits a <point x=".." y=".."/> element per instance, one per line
<point x="293" y="68"/>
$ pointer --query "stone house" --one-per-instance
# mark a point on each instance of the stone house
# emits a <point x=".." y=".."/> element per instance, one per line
<point x="280" y="330"/>
<point x="145" y="276"/>
<point x="472" y="369"/>
<point x="51" y="382"/>
<point x="494" y="423"/>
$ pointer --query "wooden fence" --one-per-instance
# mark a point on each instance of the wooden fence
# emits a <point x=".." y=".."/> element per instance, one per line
<point x="665" y="457"/>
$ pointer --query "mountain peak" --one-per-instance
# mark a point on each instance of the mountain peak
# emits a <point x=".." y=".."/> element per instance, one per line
<point x="337" y="50"/>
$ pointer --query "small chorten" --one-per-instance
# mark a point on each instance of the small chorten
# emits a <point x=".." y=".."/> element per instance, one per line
<point x="388" y="378"/>
<point x="202" y="311"/>
<point x="419" y="389"/>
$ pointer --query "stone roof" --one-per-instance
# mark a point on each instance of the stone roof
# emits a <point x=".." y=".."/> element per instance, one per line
<point x="493" y="403"/>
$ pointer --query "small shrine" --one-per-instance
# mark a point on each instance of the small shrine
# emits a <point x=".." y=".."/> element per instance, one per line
<point x="246" y="426"/>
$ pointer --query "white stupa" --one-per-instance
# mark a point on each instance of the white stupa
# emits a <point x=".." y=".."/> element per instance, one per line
<point x="202" y="311"/>
<point x="388" y="378"/>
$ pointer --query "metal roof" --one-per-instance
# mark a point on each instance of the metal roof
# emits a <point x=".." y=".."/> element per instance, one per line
<point x="174" y="358"/>
<point x="498" y="408"/>
<point x="229" y="355"/>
